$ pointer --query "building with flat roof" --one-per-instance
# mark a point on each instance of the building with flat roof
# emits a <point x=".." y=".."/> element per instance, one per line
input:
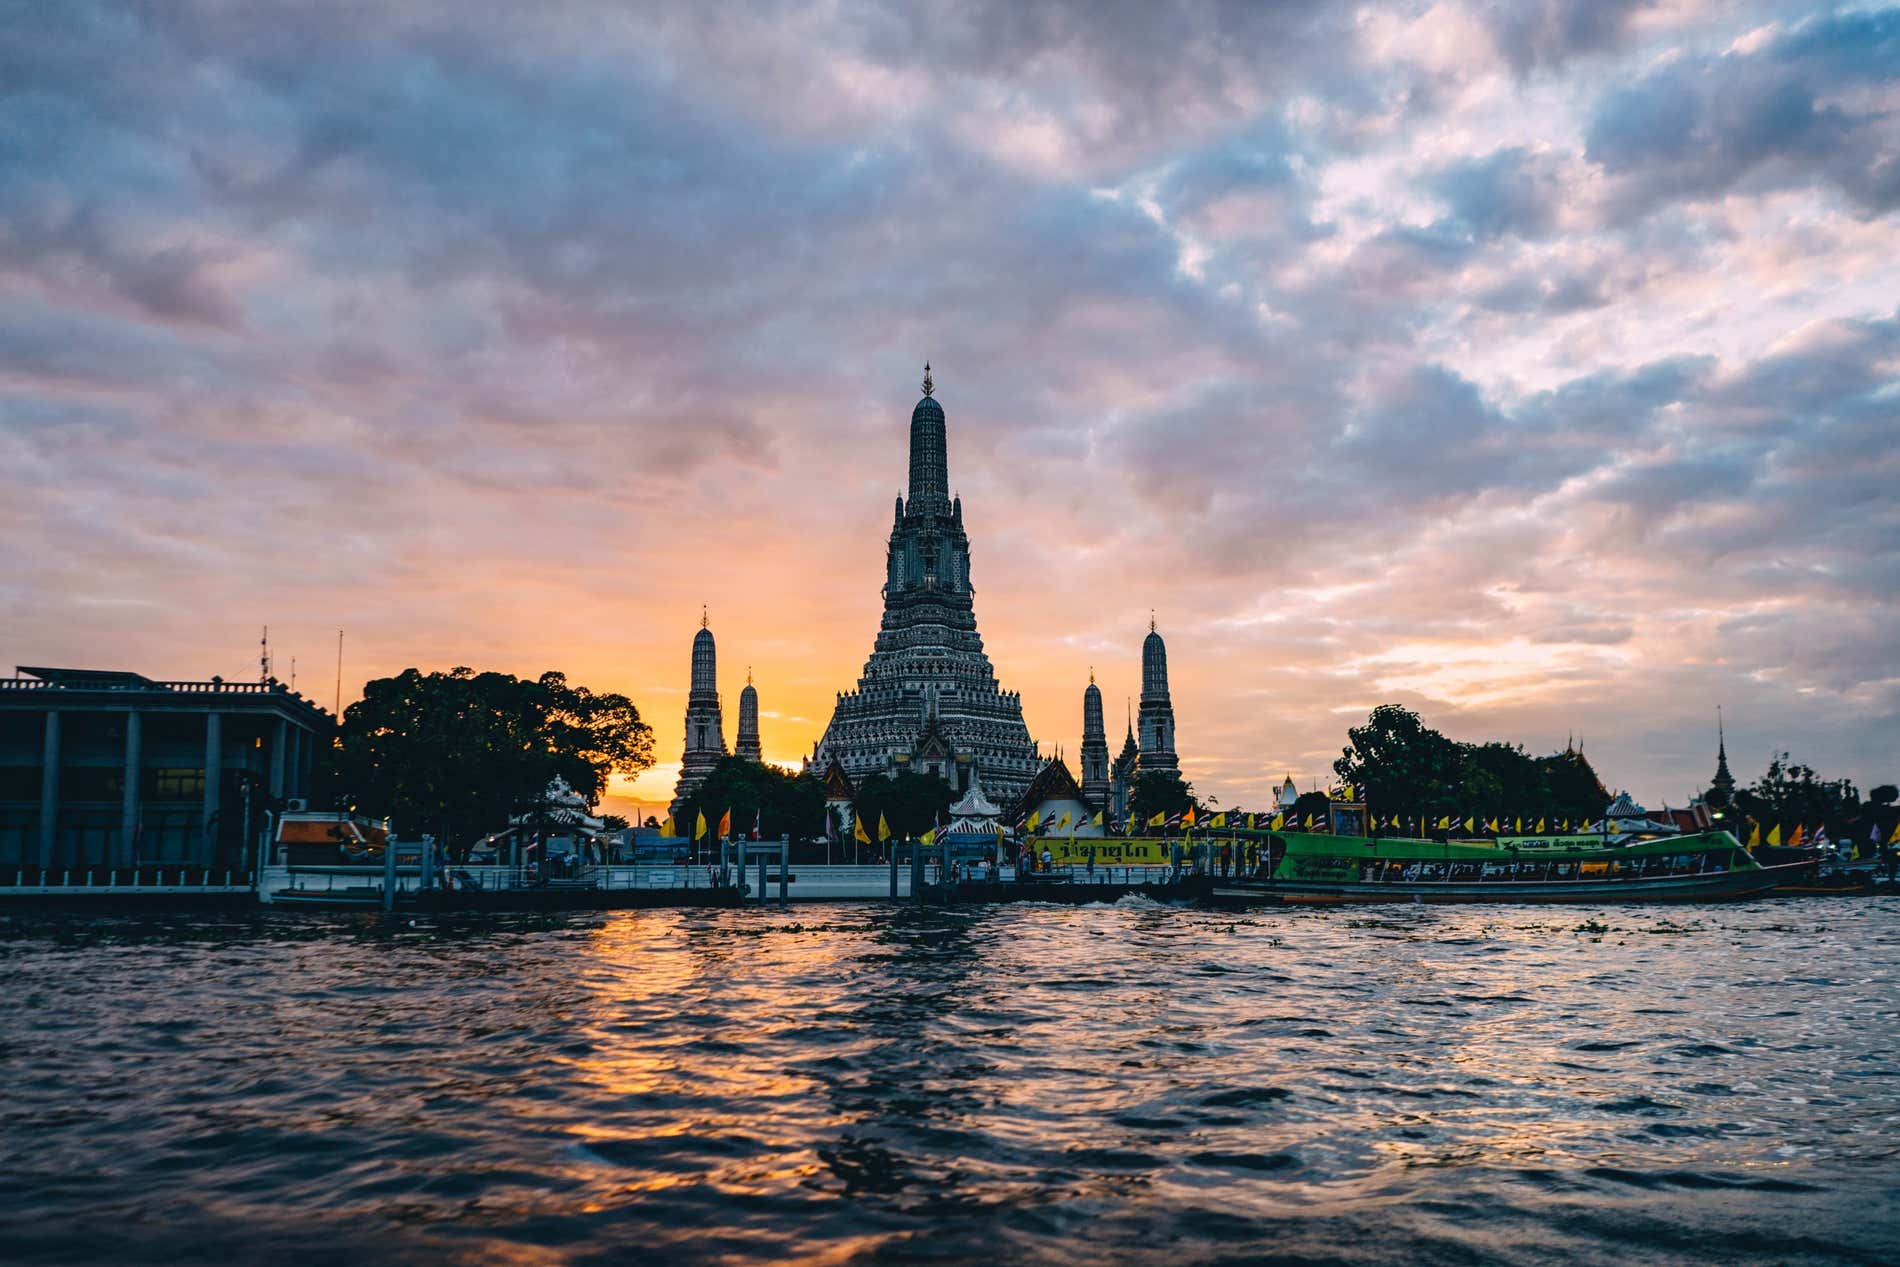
<point x="104" y="770"/>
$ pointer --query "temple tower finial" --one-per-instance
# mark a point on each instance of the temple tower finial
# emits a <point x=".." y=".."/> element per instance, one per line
<point x="702" y="616"/>
<point x="929" y="386"/>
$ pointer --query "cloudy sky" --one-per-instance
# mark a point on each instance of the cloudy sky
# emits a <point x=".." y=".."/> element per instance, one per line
<point x="1535" y="365"/>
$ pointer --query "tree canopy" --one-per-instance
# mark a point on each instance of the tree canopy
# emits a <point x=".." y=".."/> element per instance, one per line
<point x="1159" y="792"/>
<point x="454" y="754"/>
<point x="780" y="802"/>
<point x="1402" y="766"/>
<point x="1792" y="793"/>
<point x="910" y="801"/>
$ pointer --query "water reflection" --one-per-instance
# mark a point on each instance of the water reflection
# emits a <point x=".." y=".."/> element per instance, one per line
<point x="1068" y="1084"/>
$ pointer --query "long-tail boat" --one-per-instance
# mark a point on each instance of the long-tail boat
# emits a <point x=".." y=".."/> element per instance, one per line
<point x="1302" y="868"/>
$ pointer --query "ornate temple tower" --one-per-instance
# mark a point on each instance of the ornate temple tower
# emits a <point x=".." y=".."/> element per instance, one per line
<point x="747" y="745"/>
<point x="1157" y="710"/>
<point x="1721" y="793"/>
<point x="1121" y="773"/>
<point x="1095" y="786"/>
<point x="705" y="726"/>
<point x="928" y="698"/>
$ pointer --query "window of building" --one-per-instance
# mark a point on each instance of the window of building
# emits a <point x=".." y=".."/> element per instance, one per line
<point x="175" y="784"/>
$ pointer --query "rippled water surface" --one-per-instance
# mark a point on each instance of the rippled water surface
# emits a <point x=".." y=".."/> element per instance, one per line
<point x="1131" y="1082"/>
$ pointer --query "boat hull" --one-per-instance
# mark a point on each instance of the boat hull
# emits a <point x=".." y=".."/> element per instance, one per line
<point x="1723" y="886"/>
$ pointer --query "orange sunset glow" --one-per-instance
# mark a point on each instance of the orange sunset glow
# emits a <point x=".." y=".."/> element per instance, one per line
<point x="1469" y="407"/>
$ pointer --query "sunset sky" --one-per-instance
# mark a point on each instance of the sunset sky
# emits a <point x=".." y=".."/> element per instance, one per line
<point x="1536" y="366"/>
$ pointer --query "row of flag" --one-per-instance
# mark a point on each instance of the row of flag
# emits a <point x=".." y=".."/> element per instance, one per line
<point x="1799" y="839"/>
<point x="1190" y="817"/>
<point x="701" y="830"/>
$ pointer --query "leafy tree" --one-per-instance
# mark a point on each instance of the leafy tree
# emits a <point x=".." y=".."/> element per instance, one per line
<point x="1400" y="763"/>
<point x="780" y="802"/>
<point x="1790" y="793"/>
<point x="1501" y="778"/>
<point x="614" y="822"/>
<point x="455" y="754"/>
<point x="1159" y="792"/>
<point x="1884" y="794"/>
<point x="1574" y="789"/>
<point x="910" y="801"/>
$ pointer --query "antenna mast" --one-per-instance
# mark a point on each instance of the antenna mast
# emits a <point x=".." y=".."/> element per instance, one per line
<point x="263" y="657"/>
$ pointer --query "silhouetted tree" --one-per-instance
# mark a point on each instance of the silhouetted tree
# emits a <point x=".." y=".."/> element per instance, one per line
<point x="780" y="802"/>
<point x="455" y="754"/>
<point x="911" y="802"/>
<point x="1159" y="792"/>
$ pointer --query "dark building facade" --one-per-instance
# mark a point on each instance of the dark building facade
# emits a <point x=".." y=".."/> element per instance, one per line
<point x="103" y="769"/>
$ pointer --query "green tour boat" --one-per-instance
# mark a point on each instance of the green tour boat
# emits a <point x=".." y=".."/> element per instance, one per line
<point x="1300" y="868"/>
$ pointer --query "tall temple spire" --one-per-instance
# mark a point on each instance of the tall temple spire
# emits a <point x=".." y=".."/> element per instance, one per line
<point x="929" y="461"/>
<point x="746" y="746"/>
<point x="928" y="698"/>
<point x="1722" y="786"/>
<point x="1157" y="709"/>
<point x="1094" y="747"/>
<point x="705" y="724"/>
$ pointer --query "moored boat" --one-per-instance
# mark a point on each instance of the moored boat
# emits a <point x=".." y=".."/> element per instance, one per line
<point x="1303" y="869"/>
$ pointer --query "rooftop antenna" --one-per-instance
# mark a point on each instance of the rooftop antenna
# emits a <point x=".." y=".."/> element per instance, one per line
<point x="1151" y="620"/>
<point x="702" y="615"/>
<point x="339" y="673"/>
<point x="293" y="675"/>
<point x="263" y="657"/>
<point x="929" y="386"/>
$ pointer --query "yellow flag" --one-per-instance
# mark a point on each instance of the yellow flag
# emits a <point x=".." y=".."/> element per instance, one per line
<point x="928" y="838"/>
<point x="864" y="837"/>
<point x="1157" y="818"/>
<point x="1895" y="838"/>
<point x="1067" y="817"/>
<point x="1097" y="820"/>
<point x="1279" y="821"/>
<point x="1520" y="825"/>
<point x="1220" y="820"/>
<point x="1035" y="817"/>
<point x="1540" y="824"/>
<point x="1754" y="835"/>
<point x="1491" y="825"/>
<point x="667" y="828"/>
<point x="883" y="828"/>
<point x="1444" y="823"/>
<point x="1471" y="824"/>
<point x="1774" y="835"/>
<point x="699" y="825"/>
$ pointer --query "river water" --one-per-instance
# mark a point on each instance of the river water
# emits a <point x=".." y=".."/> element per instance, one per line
<point x="832" y="1083"/>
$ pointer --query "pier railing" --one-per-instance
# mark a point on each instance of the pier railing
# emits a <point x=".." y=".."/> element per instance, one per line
<point x="111" y="881"/>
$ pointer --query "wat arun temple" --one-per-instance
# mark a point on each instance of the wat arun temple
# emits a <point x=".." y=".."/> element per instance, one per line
<point x="928" y="699"/>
